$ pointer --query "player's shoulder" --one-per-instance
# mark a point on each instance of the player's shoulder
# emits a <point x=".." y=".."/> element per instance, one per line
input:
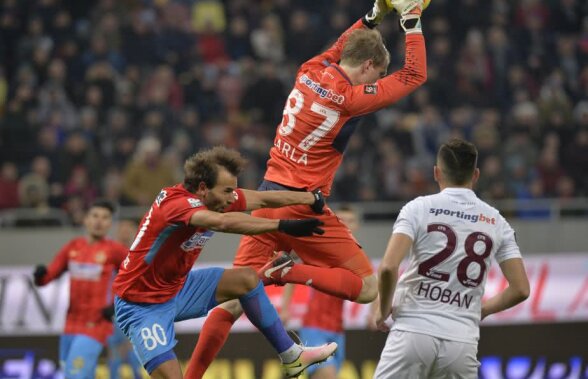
<point x="323" y="83"/>
<point x="77" y="241"/>
<point x="115" y="244"/>
<point x="420" y="201"/>
<point x="178" y="192"/>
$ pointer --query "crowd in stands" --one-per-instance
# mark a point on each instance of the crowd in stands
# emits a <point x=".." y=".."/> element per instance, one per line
<point x="108" y="97"/>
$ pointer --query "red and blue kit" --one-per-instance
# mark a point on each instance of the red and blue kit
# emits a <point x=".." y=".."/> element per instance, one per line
<point x="324" y="312"/>
<point x="92" y="267"/>
<point x="165" y="247"/>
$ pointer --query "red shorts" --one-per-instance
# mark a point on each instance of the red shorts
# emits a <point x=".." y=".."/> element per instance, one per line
<point x="336" y="248"/>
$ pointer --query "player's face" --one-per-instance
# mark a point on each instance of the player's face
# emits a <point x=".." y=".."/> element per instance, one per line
<point x="221" y="195"/>
<point x="372" y="73"/>
<point x="98" y="222"/>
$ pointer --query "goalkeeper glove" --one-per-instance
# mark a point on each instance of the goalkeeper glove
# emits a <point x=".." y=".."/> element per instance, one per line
<point x="39" y="273"/>
<point x="108" y="312"/>
<point x="319" y="201"/>
<point x="376" y="14"/>
<point x="410" y="14"/>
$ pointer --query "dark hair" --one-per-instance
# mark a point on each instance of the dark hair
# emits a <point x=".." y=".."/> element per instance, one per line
<point x="103" y="203"/>
<point x="204" y="166"/>
<point x="457" y="159"/>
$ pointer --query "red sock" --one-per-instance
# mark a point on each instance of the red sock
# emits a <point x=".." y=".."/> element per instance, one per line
<point x="214" y="333"/>
<point x="334" y="281"/>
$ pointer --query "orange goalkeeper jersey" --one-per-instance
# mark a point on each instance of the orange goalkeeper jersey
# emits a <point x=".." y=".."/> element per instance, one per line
<point x="320" y="113"/>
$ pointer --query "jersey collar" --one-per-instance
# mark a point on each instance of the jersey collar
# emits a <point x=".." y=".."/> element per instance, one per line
<point x="458" y="191"/>
<point x="340" y="71"/>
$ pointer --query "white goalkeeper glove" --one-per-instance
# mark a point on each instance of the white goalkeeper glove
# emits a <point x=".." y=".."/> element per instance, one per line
<point x="410" y="14"/>
<point x="376" y="15"/>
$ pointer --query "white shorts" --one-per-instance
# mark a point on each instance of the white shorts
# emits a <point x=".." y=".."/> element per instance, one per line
<point x="414" y="355"/>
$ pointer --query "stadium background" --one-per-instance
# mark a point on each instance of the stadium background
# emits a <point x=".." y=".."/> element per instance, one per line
<point x="106" y="98"/>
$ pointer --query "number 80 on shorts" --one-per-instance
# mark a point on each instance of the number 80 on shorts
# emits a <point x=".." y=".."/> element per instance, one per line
<point x="153" y="337"/>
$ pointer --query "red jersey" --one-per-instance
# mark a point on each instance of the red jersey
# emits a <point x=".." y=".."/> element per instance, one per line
<point x="309" y="143"/>
<point x="324" y="312"/>
<point x="92" y="267"/>
<point x="166" y="247"/>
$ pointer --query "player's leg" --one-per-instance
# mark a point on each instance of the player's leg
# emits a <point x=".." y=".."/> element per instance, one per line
<point x="334" y="263"/>
<point x="456" y="360"/>
<point x="407" y="355"/>
<point x="243" y="283"/>
<point x="315" y="337"/>
<point x="253" y="251"/>
<point x="150" y="329"/>
<point x="114" y="354"/>
<point x="129" y="356"/>
<point x="82" y="357"/>
<point x="65" y="341"/>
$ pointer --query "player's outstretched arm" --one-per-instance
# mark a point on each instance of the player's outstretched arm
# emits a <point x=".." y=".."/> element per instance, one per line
<point x="333" y="54"/>
<point x="241" y="223"/>
<point x="518" y="289"/>
<point x="44" y="274"/>
<point x="400" y="83"/>
<point x="276" y="199"/>
<point x="398" y="246"/>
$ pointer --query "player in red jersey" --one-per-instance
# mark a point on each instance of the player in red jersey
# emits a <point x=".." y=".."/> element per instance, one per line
<point x="331" y="91"/>
<point x="323" y="320"/>
<point x="156" y="285"/>
<point x="92" y="262"/>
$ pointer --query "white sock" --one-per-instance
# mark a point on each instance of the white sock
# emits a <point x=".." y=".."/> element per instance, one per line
<point x="291" y="354"/>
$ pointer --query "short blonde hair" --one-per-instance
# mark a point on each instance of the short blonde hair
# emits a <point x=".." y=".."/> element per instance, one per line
<point x="365" y="44"/>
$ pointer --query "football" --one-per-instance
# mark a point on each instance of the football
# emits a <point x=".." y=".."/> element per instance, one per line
<point x="425" y="3"/>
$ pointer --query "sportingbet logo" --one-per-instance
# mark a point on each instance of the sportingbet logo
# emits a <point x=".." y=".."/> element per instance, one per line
<point x="464" y="216"/>
<point x="322" y="92"/>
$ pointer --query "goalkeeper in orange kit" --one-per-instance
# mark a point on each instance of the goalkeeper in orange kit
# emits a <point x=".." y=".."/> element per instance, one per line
<point x="332" y="91"/>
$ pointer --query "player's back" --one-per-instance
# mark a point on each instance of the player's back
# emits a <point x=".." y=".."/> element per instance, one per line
<point x="164" y="249"/>
<point x="455" y="235"/>
<point x="313" y="133"/>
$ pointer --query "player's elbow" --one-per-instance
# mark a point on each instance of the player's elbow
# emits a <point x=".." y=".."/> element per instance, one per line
<point x="388" y="269"/>
<point x="524" y="293"/>
<point x="521" y="292"/>
<point x="420" y="76"/>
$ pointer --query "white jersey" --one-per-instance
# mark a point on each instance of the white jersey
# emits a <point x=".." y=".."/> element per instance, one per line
<point x="454" y="235"/>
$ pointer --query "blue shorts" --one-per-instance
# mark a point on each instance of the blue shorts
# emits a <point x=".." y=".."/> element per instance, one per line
<point x="317" y="337"/>
<point x="150" y="327"/>
<point x="78" y="355"/>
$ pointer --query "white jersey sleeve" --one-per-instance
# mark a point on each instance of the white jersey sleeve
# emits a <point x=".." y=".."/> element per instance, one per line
<point x="455" y="235"/>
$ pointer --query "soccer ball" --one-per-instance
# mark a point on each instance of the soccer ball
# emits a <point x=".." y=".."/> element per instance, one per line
<point x="425" y="3"/>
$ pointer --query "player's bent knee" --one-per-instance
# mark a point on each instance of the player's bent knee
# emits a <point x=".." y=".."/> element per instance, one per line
<point x="233" y="307"/>
<point x="369" y="290"/>
<point x="249" y="278"/>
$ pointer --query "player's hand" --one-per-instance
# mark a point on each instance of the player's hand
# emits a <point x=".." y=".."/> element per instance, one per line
<point x="39" y="273"/>
<point x="376" y="14"/>
<point x="108" y="312"/>
<point x="380" y="319"/>
<point x="319" y="201"/>
<point x="301" y="228"/>
<point x="410" y="14"/>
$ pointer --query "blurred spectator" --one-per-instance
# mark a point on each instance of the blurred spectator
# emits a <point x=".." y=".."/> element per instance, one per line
<point x="82" y="82"/>
<point x="268" y="39"/>
<point x="147" y="173"/>
<point x="8" y="186"/>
